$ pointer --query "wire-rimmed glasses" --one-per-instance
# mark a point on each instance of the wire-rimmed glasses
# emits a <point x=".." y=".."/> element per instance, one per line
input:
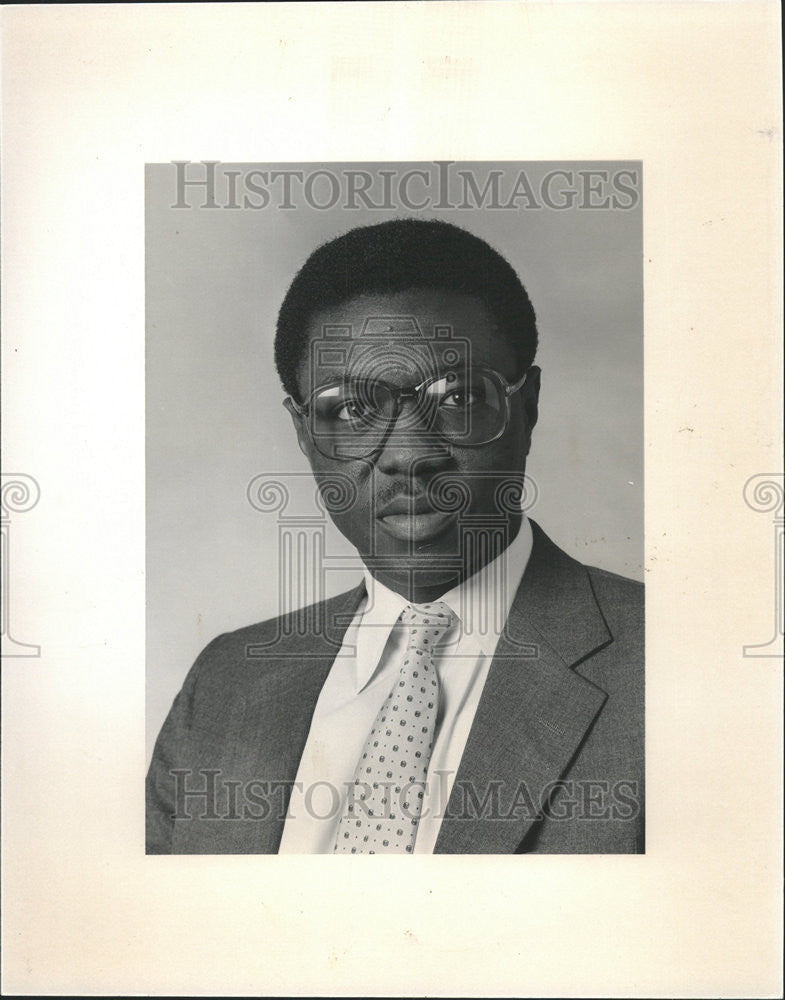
<point x="350" y="418"/>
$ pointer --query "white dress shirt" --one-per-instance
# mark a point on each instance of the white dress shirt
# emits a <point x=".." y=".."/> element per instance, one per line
<point x="363" y="675"/>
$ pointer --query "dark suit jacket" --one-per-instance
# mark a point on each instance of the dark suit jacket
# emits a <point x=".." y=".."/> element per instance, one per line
<point x="554" y="762"/>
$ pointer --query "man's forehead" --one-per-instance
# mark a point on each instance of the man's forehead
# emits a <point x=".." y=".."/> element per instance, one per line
<point x="386" y="346"/>
<point x="388" y="326"/>
<point x="375" y="329"/>
<point x="413" y="333"/>
<point x="417" y="310"/>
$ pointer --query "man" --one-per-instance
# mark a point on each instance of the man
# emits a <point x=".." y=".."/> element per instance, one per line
<point x="479" y="691"/>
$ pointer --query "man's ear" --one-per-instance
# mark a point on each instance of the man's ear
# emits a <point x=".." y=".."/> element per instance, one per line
<point x="531" y="396"/>
<point x="298" y="419"/>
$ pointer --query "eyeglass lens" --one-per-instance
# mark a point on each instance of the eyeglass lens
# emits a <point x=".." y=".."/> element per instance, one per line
<point x="352" y="418"/>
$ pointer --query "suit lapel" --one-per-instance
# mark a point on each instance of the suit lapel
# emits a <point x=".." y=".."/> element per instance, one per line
<point x="535" y="710"/>
<point x="284" y="697"/>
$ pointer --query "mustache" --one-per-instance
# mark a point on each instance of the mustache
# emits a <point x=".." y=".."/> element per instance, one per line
<point x="443" y="492"/>
<point x="403" y="494"/>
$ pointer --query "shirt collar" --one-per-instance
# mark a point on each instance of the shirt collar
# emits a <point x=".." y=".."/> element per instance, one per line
<point x="482" y="603"/>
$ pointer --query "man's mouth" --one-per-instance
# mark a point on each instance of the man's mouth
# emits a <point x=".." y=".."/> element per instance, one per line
<point x="416" y="526"/>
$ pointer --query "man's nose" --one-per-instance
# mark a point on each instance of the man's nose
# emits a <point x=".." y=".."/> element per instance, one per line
<point x="411" y="442"/>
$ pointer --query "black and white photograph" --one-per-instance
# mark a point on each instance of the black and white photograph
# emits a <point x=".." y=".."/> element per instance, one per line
<point x="477" y="688"/>
<point x="392" y="465"/>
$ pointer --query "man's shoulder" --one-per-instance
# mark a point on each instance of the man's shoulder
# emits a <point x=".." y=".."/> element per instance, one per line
<point x="551" y="566"/>
<point x="621" y="601"/>
<point x="621" y="588"/>
<point x="295" y="632"/>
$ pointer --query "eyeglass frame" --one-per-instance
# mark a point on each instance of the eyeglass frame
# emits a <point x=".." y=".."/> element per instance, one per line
<point x="413" y="392"/>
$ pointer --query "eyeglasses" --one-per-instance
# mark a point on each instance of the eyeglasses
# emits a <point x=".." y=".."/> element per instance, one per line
<point x="352" y="418"/>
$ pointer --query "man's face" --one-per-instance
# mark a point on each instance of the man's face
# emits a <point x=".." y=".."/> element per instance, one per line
<point x="425" y="509"/>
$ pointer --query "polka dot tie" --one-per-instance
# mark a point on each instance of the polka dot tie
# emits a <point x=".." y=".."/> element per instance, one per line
<point x="384" y="805"/>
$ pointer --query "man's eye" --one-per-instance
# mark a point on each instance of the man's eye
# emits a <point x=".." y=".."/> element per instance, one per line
<point x="350" y="409"/>
<point x="461" y="398"/>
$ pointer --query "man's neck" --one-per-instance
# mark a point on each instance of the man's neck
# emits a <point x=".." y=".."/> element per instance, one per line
<point x="420" y="585"/>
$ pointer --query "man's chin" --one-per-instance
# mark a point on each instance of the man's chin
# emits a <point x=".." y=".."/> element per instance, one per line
<point x="416" y="580"/>
<point x="431" y="564"/>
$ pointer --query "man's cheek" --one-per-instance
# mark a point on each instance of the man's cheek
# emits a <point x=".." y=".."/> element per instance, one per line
<point x="354" y="524"/>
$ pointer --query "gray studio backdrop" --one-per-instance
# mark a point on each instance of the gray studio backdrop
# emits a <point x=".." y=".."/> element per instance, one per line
<point x="221" y="253"/>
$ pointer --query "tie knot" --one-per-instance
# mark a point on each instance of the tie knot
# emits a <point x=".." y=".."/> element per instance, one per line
<point x="436" y="613"/>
